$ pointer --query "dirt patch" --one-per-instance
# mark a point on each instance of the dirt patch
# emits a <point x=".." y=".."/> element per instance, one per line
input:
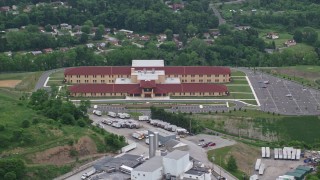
<point x="61" y="155"/>
<point x="297" y="73"/>
<point x="245" y="155"/>
<point x="9" y="83"/>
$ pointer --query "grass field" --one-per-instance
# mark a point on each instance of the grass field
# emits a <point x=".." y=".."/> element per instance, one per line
<point x="237" y="73"/>
<point x="39" y="137"/>
<point x="245" y="88"/>
<point x="306" y="75"/>
<point x="28" y="79"/>
<point x="287" y="128"/>
<point x="57" y="75"/>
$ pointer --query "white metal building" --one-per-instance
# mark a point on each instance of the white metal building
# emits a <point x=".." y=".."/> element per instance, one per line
<point x="176" y="163"/>
<point x="150" y="170"/>
<point x="198" y="175"/>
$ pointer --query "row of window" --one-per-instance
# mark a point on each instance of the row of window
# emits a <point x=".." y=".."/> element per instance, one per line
<point x="127" y="76"/>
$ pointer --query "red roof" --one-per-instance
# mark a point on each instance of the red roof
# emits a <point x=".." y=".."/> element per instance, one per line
<point x="105" y="88"/>
<point x="135" y="88"/>
<point x="148" y="84"/>
<point x="190" y="87"/>
<point x="126" y="70"/>
<point x="98" y="70"/>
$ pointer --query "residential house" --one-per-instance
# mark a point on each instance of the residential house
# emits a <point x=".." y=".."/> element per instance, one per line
<point x="272" y="35"/>
<point x="144" y="38"/>
<point x="101" y="45"/>
<point x="162" y="37"/>
<point x="177" y="6"/>
<point x="35" y="52"/>
<point x="290" y="42"/>
<point x="48" y="50"/>
<point x="206" y="35"/>
<point x="125" y="31"/>
<point x="65" y="26"/>
<point x="90" y="45"/>
<point x="241" y="28"/>
<point x="5" y="9"/>
<point x="64" y="49"/>
<point x="14" y="7"/>
<point x="77" y="28"/>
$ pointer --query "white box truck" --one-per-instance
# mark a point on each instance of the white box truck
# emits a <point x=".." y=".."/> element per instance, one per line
<point x="121" y="115"/>
<point x="88" y="174"/>
<point x="143" y="118"/>
<point x="112" y="114"/>
<point x="97" y="112"/>
<point x="128" y="147"/>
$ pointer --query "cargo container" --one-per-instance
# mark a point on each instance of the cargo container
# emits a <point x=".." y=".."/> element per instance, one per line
<point x="293" y="154"/>
<point x="128" y="147"/>
<point x="257" y="166"/>
<point x="267" y="152"/>
<point x="276" y="153"/>
<point x="263" y="152"/>
<point x="261" y="169"/>
<point x="280" y="153"/>
<point x="298" y="154"/>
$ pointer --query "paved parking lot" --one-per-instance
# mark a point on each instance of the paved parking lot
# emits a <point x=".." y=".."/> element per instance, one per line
<point x="284" y="97"/>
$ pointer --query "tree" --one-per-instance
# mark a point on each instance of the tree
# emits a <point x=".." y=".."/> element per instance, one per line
<point x="84" y="38"/>
<point x="310" y="36"/>
<point x="25" y="124"/>
<point x="67" y="118"/>
<point x="232" y="164"/>
<point x="169" y="34"/>
<point x="86" y="29"/>
<point x="191" y="30"/>
<point x="224" y="29"/>
<point x="10" y="176"/>
<point x="297" y="36"/>
<point x="99" y="32"/>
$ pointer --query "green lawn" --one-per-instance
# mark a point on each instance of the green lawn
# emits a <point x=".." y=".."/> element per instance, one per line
<point x="55" y="83"/>
<point x="283" y="37"/>
<point x="237" y="73"/>
<point x="219" y="157"/>
<point x="245" y="88"/>
<point x="57" y="75"/>
<point x="28" y="79"/>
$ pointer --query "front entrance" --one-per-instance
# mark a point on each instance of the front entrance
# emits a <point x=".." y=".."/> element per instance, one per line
<point x="147" y="95"/>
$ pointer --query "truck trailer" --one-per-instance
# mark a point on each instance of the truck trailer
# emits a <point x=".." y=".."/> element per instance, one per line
<point x="143" y="118"/>
<point x="112" y="114"/>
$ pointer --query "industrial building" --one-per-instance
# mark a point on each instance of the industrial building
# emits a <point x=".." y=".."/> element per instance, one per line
<point x="148" y="79"/>
<point x="151" y="169"/>
<point x="163" y="135"/>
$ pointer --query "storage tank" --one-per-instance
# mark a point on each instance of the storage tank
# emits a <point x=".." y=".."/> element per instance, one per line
<point x="156" y="140"/>
<point x="151" y="146"/>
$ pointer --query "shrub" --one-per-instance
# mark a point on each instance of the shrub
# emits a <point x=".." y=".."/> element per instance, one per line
<point x="81" y="123"/>
<point x="2" y="127"/>
<point x="25" y="124"/>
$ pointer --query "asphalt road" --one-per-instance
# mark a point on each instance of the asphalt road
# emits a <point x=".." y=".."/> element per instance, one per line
<point x="44" y="77"/>
<point x="283" y="96"/>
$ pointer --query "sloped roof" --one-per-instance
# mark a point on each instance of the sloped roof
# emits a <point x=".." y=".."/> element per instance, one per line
<point x="136" y="89"/>
<point x="147" y="84"/>
<point x="126" y="70"/>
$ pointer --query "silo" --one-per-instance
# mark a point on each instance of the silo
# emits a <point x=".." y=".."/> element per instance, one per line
<point x="156" y="141"/>
<point x="151" y="146"/>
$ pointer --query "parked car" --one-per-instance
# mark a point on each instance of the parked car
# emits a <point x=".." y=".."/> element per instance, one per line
<point x="211" y="144"/>
<point x="201" y="140"/>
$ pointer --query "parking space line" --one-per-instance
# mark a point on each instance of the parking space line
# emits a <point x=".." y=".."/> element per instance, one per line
<point x="254" y="93"/>
<point x="294" y="99"/>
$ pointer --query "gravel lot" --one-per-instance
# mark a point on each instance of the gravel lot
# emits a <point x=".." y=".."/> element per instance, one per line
<point x="275" y="168"/>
